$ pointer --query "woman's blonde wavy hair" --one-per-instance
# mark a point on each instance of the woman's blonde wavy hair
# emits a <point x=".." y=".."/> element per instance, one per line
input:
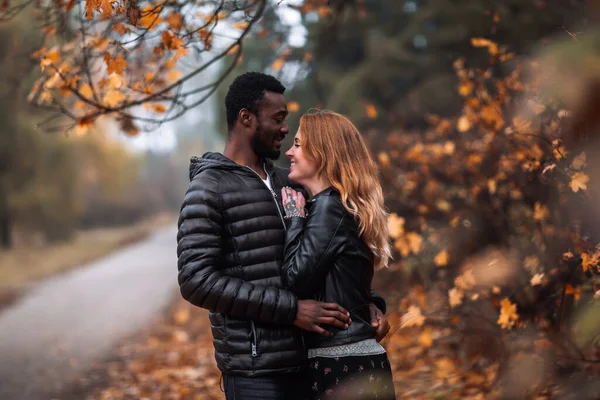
<point x="337" y="148"/>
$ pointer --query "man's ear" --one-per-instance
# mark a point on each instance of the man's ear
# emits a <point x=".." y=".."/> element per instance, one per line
<point x="245" y="117"/>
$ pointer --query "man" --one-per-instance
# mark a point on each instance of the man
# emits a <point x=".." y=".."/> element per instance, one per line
<point x="230" y="250"/>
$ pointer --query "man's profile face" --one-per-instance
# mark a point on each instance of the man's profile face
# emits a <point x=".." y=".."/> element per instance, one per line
<point x="271" y="126"/>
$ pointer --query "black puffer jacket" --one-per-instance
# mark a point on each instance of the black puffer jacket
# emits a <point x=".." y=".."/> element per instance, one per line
<point x="326" y="259"/>
<point x="230" y="251"/>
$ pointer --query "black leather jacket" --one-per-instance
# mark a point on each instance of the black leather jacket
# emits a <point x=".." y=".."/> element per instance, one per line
<point x="326" y="259"/>
<point x="230" y="251"/>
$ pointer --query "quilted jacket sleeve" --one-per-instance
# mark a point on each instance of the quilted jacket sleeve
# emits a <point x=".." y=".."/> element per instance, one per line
<point x="202" y="283"/>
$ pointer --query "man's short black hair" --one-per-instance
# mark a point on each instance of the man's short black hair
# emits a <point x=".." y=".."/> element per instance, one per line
<point x="246" y="91"/>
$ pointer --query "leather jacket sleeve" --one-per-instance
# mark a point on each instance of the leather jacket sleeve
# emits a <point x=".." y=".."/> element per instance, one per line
<point x="311" y="245"/>
<point x="201" y="281"/>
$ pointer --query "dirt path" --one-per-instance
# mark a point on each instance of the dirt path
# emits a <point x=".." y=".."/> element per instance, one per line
<point x="64" y="324"/>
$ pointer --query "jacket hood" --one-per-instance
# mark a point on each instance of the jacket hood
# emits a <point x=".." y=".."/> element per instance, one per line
<point x="215" y="160"/>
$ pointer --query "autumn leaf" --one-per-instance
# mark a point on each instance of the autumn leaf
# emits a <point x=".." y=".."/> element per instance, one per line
<point x="384" y="160"/>
<point x="86" y="91"/>
<point x="579" y="161"/>
<point x="575" y="291"/>
<point x="174" y="20"/>
<point x="241" y="25"/>
<point x="463" y="124"/>
<point x="579" y="181"/>
<point x="90" y="7"/>
<point x="466" y="280"/>
<point x="113" y="98"/>
<point x="395" y="225"/>
<point x="455" y="297"/>
<point x="413" y="317"/>
<point x="537" y="108"/>
<point x="371" y="111"/>
<point x="537" y="279"/>
<point x="150" y="18"/>
<point x="106" y="6"/>
<point x="508" y="314"/>
<point x="50" y="58"/>
<point x="277" y="64"/>
<point x="425" y="338"/>
<point x="159" y="108"/>
<point x="481" y="42"/>
<point x="540" y="212"/>
<point x="441" y="259"/>
<point x="117" y="64"/>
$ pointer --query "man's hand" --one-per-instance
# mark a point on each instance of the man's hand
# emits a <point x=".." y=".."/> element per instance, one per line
<point x="311" y="313"/>
<point x="379" y="321"/>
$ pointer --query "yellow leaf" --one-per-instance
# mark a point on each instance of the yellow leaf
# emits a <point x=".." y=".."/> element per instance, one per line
<point x="579" y="180"/>
<point x="508" y="314"/>
<point x="413" y="317"/>
<point x="455" y="297"/>
<point x="579" y="161"/>
<point x="86" y="91"/>
<point x="371" y="111"/>
<point x="277" y="64"/>
<point x="181" y="316"/>
<point x="540" y="212"/>
<point x="113" y="98"/>
<point x="415" y="241"/>
<point x="463" y="124"/>
<point x="441" y="259"/>
<point x="395" y="225"/>
<point x="449" y="148"/>
<point x="537" y="279"/>
<point x="466" y="280"/>
<point x="425" y="338"/>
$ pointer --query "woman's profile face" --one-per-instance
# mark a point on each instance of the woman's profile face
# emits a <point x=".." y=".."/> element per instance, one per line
<point x="302" y="169"/>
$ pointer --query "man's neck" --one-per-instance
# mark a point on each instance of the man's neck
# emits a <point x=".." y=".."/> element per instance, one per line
<point x="243" y="155"/>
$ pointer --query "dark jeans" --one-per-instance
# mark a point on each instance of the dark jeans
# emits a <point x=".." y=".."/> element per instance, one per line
<point x="277" y="387"/>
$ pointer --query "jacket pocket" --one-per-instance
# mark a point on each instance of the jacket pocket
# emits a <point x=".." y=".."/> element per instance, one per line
<point x="254" y="340"/>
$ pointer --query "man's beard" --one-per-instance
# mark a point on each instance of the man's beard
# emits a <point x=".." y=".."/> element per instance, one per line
<point x="262" y="149"/>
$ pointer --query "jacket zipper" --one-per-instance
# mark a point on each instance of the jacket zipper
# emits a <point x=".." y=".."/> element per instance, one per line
<point x="272" y="193"/>
<point x="254" y="352"/>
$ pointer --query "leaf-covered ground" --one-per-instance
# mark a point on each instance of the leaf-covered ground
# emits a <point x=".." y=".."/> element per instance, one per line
<point x="175" y="361"/>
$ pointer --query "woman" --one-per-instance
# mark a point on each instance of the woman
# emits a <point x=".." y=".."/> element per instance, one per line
<point x="332" y="249"/>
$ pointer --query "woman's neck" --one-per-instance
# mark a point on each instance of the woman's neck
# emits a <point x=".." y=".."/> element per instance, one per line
<point x="317" y="185"/>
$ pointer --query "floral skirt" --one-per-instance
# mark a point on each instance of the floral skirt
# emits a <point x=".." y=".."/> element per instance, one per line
<point x="352" y="377"/>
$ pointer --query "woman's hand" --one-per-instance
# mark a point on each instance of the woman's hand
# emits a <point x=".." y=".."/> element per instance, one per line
<point x="293" y="202"/>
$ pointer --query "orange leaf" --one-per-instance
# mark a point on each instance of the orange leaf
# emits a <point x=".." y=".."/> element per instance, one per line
<point x="481" y="42"/>
<point x="86" y="91"/>
<point x="441" y="259"/>
<point x="159" y="108"/>
<point x="149" y="17"/>
<point x="371" y="111"/>
<point x="537" y="279"/>
<point x="579" y="181"/>
<point x="106" y="6"/>
<point x="175" y="22"/>
<point x="395" y="225"/>
<point x="293" y="106"/>
<point x="277" y="64"/>
<point x="508" y="314"/>
<point x="455" y="297"/>
<point x="575" y="291"/>
<point x="425" y="338"/>
<point x="116" y="65"/>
